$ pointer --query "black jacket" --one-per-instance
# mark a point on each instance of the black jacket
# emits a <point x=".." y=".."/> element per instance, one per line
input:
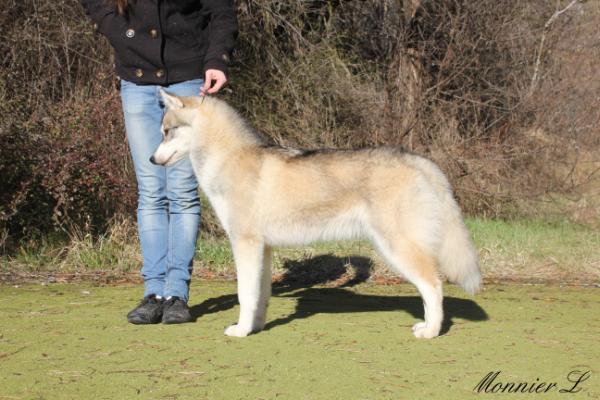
<point x="167" y="41"/>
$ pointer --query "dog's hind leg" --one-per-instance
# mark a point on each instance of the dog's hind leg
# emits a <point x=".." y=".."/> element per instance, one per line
<point x="253" y="265"/>
<point x="419" y="268"/>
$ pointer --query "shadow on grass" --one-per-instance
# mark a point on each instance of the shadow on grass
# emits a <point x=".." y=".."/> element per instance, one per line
<point x="299" y="280"/>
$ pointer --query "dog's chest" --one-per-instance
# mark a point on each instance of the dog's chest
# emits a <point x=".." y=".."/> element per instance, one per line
<point x="221" y="209"/>
<point x="214" y="189"/>
<point x="208" y="174"/>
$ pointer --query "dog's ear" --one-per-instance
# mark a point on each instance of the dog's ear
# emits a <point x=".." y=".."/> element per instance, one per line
<point x="171" y="101"/>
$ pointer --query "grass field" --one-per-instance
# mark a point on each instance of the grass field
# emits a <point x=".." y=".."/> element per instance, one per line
<point x="339" y="323"/>
<point x="71" y="341"/>
<point x="521" y="250"/>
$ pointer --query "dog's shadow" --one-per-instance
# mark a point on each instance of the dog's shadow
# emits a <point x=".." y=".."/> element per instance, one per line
<point x="300" y="277"/>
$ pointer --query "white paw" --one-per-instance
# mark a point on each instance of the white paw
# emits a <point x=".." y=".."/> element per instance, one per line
<point x="421" y="331"/>
<point x="418" y="325"/>
<point x="236" y="330"/>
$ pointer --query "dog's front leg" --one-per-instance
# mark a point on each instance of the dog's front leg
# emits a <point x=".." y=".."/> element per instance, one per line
<point x="253" y="265"/>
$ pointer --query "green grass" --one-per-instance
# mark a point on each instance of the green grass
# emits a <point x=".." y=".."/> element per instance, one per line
<point x="535" y="249"/>
<point x="524" y="250"/>
<point x="73" y="342"/>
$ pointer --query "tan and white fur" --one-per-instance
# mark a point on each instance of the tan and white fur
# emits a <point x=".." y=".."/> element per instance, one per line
<point x="267" y="196"/>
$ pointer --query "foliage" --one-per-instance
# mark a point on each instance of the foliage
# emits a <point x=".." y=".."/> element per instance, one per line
<point x="448" y="79"/>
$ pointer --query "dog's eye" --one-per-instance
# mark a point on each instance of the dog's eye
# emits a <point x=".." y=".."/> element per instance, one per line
<point x="168" y="133"/>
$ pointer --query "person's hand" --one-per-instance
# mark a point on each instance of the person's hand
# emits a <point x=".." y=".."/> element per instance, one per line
<point x="213" y="82"/>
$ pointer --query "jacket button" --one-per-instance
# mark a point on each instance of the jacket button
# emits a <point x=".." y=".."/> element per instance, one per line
<point x="153" y="33"/>
<point x="160" y="73"/>
<point x="130" y="33"/>
<point x="139" y="73"/>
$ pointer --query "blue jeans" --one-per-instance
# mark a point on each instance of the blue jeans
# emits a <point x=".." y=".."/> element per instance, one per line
<point x="168" y="205"/>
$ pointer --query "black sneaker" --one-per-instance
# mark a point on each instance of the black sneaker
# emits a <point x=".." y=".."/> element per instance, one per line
<point x="149" y="311"/>
<point x="175" y="311"/>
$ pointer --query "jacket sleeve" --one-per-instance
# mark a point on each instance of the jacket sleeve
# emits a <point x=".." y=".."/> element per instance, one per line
<point x="223" y="31"/>
<point x="96" y="10"/>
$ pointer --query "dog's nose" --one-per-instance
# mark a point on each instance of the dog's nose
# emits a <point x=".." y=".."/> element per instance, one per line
<point x="152" y="160"/>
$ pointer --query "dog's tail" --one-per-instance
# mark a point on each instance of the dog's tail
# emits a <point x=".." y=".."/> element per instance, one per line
<point x="457" y="256"/>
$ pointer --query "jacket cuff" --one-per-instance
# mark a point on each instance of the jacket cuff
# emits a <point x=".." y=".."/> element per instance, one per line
<point x="215" y="63"/>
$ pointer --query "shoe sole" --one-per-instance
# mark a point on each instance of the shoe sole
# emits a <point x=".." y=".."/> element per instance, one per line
<point x="174" y="321"/>
<point x="142" y="321"/>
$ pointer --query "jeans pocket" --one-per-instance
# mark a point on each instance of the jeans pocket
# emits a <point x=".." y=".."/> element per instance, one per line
<point x="187" y="88"/>
<point x="124" y="83"/>
<point x="138" y="99"/>
<point x="193" y="82"/>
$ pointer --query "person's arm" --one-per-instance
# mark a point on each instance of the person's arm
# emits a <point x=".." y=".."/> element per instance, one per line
<point x="223" y="33"/>
<point x="96" y="10"/>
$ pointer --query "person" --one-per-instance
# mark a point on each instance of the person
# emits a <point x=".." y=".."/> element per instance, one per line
<point x="185" y="47"/>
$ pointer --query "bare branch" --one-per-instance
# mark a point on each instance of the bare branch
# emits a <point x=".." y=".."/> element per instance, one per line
<point x="536" y="70"/>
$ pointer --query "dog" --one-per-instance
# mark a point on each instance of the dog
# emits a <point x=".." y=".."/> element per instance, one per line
<point x="267" y="196"/>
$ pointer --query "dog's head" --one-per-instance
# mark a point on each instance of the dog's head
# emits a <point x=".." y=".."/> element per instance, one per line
<point x="176" y="128"/>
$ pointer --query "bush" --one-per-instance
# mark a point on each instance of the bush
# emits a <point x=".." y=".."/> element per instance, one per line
<point x="450" y="79"/>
